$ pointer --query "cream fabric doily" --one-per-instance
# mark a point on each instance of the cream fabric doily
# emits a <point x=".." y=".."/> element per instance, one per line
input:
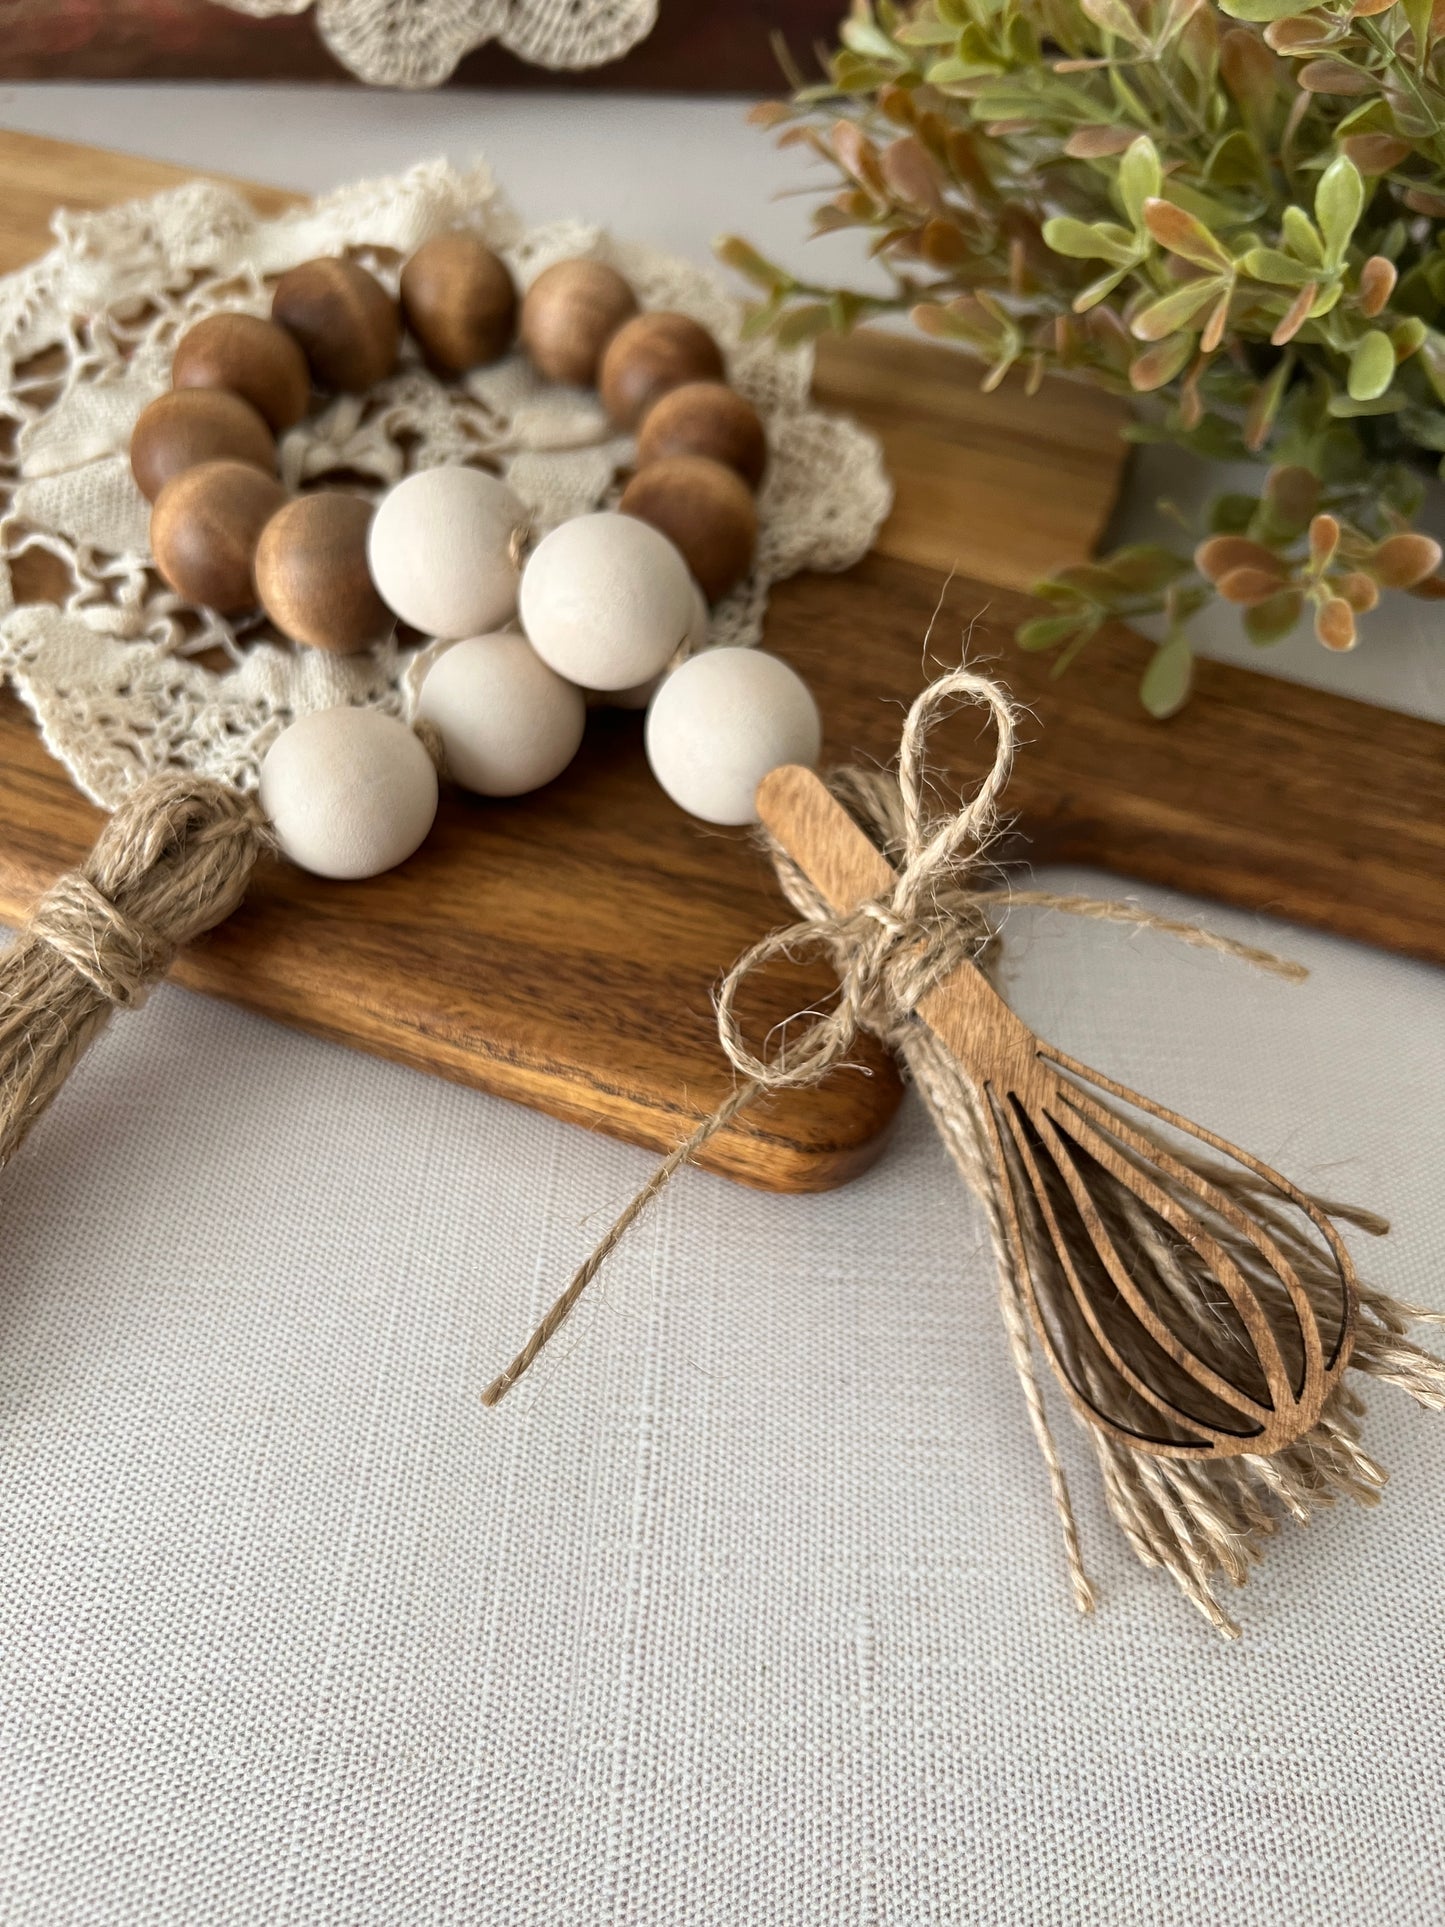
<point x="123" y="677"/>
<point x="417" y="43"/>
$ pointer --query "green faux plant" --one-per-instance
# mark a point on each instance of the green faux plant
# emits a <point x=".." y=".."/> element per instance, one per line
<point x="1230" y="213"/>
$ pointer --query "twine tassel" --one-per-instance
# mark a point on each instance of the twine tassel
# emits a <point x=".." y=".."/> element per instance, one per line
<point x="173" y="861"/>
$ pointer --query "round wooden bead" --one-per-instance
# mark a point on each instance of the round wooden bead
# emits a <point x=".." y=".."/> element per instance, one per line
<point x="721" y="722"/>
<point x="569" y="314"/>
<point x="443" y="551"/>
<point x="204" y="529"/>
<point x="508" y="723"/>
<point x="706" y="418"/>
<point x="704" y="510"/>
<point x="649" y="355"/>
<point x="641" y="693"/>
<point x="179" y="430"/>
<point x="251" y="357"/>
<point x="312" y="577"/>
<point x="606" y="600"/>
<point x="458" y="299"/>
<point x="351" y="792"/>
<point x="345" y="321"/>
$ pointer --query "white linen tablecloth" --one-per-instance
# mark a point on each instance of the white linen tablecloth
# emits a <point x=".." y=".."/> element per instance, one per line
<point x="751" y="1608"/>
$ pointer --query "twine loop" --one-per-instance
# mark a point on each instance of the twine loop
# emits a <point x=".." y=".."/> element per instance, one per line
<point x="889" y="951"/>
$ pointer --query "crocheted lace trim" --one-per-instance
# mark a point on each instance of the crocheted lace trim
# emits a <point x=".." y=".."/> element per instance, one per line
<point x="417" y="43"/>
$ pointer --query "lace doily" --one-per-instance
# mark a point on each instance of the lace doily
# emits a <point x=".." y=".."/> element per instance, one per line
<point x="123" y="677"/>
<point x="417" y="43"/>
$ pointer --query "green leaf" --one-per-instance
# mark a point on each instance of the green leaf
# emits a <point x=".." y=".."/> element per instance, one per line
<point x="1184" y="234"/>
<point x="1140" y="177"/>
<point x="1339" y="199"/>
<point x="1418" y="13"/>
<point x="1282" y="270"/>
<point x="1263" y="10"/>
<point x="1273" y="619"/>
<point x="1174" y="311"/>
<point x="1160" y="364"/>
<point x="1047" y="632"/>
<point x="1301" y="237"/>
<point x="863" y="37"/>
<point x="1165" y="687"/>
<point x="1096" y="291"/>
<point x="1115" y="18"/>
<point x="1089" y="241"/>
<point x="802" y="324"/>
<point x="1372" y="366"/>
<point x="745" y="260"/>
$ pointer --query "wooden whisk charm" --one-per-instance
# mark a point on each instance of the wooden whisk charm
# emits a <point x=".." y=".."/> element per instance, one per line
<point x="1135" y="1265"/>
<point x="1199" y="1310"/>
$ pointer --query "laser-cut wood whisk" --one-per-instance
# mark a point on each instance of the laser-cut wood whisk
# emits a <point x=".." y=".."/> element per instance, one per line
<point x="1199" y="1309"/>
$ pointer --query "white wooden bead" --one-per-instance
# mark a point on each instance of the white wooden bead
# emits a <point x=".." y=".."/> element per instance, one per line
<point x="720" y="722"/>
<point x="507" y="722"/>
<point x="350" y="791"/>
<point x="641" y="693"/>
<point x="606" y="600"/>
<point x="442" y="551"/>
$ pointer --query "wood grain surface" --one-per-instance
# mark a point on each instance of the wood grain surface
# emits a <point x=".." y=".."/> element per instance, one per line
<point x="561" y="949"/>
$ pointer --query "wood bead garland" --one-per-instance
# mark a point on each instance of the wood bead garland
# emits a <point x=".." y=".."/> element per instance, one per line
<point x="459" y="300"/>
<point x="649" y="355"/>
<point x="705" y="418"/>
<point x="705" y="511"/>
<point x="191" y="425"/>
<point x="251" y="357"/>
<point x="569" y="314"/>
<point x="609" y="601"/>
<point x="312" y="576"/>
<point x="205" y="526"/>
<point x="346" y="323"/>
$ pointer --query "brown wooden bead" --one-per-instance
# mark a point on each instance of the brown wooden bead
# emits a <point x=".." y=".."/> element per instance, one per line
<point x="346" y="322"/>
<point x="649" y="355"/>
<point x="569" y="314"/>
<point x="459" y="300"/>
<point x="191" y="425"/>
<point x="705" y="510"/>
<point x="706" y="418"/>
<point x="254" y="358"/>
<point x="204" y="530"/>
<point x="311" y="573"/>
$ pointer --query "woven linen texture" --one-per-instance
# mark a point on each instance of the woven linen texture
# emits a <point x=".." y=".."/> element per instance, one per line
<point x="115" y="677"/>
<point x="753" y="1612"/>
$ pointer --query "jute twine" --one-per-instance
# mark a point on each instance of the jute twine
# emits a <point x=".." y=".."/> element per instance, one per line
<point x="173" y="861"/>
<point x="1198" y="1519"/>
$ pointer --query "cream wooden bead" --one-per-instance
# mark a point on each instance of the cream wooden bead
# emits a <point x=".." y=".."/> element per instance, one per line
<point x="351" y="792"/>
<point x="443" y="551"/>
<point x="718" y="725"/>
<point x="508" y="723"/>
<point x="606" y="600"/>
<point x="641" y="693"/>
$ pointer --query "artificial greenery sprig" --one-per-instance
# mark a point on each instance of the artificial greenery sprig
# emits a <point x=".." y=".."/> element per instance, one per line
<point x="1230" y="213"/>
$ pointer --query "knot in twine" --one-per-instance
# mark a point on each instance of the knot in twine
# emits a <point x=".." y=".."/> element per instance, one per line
<point x="173" y="860"/>
<point x="889" y="951"/>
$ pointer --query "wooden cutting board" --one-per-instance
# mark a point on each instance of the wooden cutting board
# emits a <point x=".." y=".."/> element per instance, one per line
<point x="561" y="950"/>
